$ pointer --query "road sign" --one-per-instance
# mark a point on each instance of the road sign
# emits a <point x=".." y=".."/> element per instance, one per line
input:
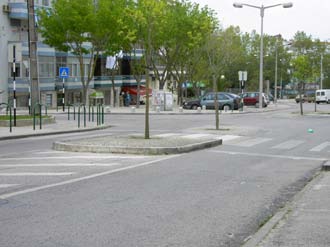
<point x="242" y="75"/>
<point x="64" y="72"/>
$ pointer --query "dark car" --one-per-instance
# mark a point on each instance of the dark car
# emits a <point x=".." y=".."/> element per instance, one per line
<point x="227" y="101"/>
<point x="192" y="104"/>
<point x="308" y="97"/>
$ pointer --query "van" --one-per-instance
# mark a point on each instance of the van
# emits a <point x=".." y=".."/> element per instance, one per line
<point x="322" y="96"/>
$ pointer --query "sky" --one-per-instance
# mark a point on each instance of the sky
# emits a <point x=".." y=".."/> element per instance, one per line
<point x="310" y="16"/>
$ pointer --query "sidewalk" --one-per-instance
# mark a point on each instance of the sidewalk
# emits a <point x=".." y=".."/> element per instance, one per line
<point x="304" y="223"/>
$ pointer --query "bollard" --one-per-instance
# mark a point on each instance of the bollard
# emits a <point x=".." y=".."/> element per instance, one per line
<point x="180" y="109"/>
<point x="84" y="116"/>
<point x="89" y="113"/>
<point x="102" y="114"/>
<point x="40" y="116"/>
<point x="68" y="112"/>
<point x="133" y="109"/>
<point x="10" y="121"/>
<point x="157" y="109"/>
<point x="79" y="117"/>
<point x="92" y="113"/>
<point x="204" y="107"/>
<point x="199" y="109"/>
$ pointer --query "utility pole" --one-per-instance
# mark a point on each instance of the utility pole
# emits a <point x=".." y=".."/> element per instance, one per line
<point x="33" y="39"/>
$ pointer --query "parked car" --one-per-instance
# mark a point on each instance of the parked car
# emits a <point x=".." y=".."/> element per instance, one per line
<point x="308" y="97"/>
<point x="252" y="98"/>
<point x="227" y="101"/>
<point x="192" y="104"/>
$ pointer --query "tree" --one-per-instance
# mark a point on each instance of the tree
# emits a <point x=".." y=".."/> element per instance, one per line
<point x="302" y="71"/>
<point x="86" y="29"/>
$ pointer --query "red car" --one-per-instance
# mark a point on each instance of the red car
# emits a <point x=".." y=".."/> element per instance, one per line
<point x="252" y="98"/>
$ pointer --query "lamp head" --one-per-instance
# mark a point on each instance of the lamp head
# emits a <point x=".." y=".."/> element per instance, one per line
<point x="287" y="5"/>
<point x="238" y="5"/>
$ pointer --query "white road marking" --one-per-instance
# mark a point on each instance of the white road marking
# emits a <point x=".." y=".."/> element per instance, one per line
<point x="76" y="157"/>
<point x="2" y="186"/>
<point x="288" y="144"/>
<point x="5" y="196"/>
<point x="252" y="142"/>
<point x="269" y="155"/>
<point x="60" y="165"/>
<point x="8" y="174"/>
<point x="320" y="147"/>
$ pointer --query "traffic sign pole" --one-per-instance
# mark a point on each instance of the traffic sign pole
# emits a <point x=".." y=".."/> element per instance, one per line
<point x="64" y="73"/>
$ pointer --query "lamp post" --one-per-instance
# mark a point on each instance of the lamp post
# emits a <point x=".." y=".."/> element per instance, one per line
<point x="262" y="9"/>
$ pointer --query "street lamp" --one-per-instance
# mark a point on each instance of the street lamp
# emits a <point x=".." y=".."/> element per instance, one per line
<point x="262" y="9"/>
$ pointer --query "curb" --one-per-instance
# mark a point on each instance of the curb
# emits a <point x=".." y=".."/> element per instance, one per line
<point x="261" y="235"/>
<point x="62" y="146"/>
<point x="52" y="133"/>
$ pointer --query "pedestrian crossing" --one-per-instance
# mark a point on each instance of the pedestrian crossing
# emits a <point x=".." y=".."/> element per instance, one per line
<point x="247" y="142"/>
<point x="273" y="143"/>
<point x="35" y="170"/>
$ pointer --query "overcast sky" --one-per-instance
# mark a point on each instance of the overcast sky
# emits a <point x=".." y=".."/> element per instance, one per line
<point x="310" y="16"/>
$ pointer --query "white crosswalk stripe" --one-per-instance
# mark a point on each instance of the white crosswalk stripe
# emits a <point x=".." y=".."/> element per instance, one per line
<point x="12" y="174"/>
<point x="320" y="147"/>
<point x="61" y="165"/>
<point x="3" y="186"/>
<point x="288" y="144"/>
<point x="252" y="142"/>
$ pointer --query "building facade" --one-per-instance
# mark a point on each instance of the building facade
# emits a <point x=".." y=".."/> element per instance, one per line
<point x="14" y="40"/>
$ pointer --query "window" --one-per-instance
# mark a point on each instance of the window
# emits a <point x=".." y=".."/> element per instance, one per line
<point x="49" y="99"/>
<point x="46" y="67"/>
<point x="60" y="62"/>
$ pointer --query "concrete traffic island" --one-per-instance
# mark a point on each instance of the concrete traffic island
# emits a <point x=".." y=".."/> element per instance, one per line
<point x="137" y="145"/>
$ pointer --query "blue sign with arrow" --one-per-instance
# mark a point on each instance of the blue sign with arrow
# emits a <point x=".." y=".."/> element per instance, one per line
<point x="64" y="72"/>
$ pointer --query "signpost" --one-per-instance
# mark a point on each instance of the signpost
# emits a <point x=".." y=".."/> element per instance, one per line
<point x="242" y="77"/>
<point x="64" y="73"/>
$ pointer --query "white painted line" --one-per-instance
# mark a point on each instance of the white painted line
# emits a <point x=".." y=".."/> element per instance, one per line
<point x="61" y="165"/>
<point x="2" y="186"/>
<point x="288" y="144"/>
<point x="320" y="147"/>
<point x="252" y="142"/>
<point x="77" y="157"/>
<point x="269" y="155"/>
<point x="9" y="174"/>
<point x="5" y="196"/>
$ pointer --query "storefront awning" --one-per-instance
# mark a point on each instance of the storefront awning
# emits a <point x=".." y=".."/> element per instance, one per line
<point x="133" y="90"/>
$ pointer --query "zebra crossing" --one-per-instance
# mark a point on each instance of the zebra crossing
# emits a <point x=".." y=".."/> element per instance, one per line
<point x="39" y="170"/>
<point x="243" y="141"/>
<point x="273" y="143"/>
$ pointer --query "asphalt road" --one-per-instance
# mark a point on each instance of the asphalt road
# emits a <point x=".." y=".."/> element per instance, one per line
<point x="213" y="197"/>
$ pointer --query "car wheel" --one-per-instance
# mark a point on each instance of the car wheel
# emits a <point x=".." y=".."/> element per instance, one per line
<point x="226" y="107"/>
<point x="194" y="107"/>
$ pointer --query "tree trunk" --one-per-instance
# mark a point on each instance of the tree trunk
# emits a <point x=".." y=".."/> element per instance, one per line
<point x="113" y="87"/>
